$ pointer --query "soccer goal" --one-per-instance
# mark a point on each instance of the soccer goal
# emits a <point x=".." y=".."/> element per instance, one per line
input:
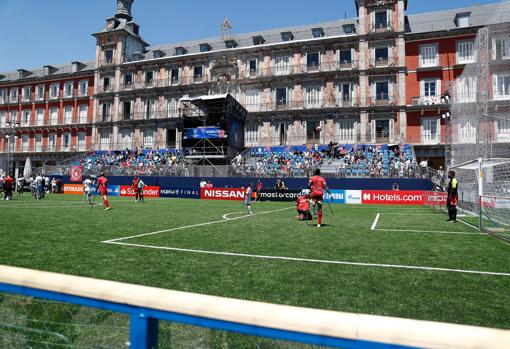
<point x="484" y="194"/>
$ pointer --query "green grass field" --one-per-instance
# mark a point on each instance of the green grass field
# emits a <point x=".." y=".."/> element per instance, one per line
<point x="412" y="264"/>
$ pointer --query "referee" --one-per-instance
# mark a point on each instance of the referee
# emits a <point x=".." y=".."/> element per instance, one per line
<point x="453" y="197"/>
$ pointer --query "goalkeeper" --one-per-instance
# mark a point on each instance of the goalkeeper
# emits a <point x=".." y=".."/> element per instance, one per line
<point x="453" y="197"/>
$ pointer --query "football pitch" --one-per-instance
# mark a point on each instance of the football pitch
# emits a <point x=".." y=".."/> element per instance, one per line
<point x="382" y="260"/>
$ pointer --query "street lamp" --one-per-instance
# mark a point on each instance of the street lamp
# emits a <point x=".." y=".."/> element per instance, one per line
<point x="10" y="133"/>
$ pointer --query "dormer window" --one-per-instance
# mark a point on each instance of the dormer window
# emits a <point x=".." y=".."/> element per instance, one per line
<point x="317" y="32"/>
<point x="205" y="47"/>
<point x="158" y="54"/>
<point x="258" y="40"/>
<point x="287" y="36"/>
<point x="230" y="44"/>
<point x="179" y="51"/>
<point x="462" y="20"/>
<point x="349" y="29"/>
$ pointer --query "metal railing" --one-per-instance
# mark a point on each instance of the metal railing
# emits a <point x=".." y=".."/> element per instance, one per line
<point x="303" y="104"/>
<point x="381" y="27"/>
<point x="382" y="100"/>
<point x="382" y="62"/>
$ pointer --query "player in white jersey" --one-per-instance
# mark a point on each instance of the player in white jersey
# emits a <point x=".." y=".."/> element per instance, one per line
<point x="89" y="189"/>
<point x="247" y="197"/>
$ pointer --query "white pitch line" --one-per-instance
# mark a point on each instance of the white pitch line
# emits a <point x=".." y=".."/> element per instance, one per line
<point x="428" y="231"/>
<point x="319" y="261"/>
<point x="375" y="222"/>
<point x="196" y="225"/>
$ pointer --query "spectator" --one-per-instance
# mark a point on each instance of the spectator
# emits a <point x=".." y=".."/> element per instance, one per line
<point x="423" y="167"/>
<point x="395" y="186"/>
<point x="203" y="183"/>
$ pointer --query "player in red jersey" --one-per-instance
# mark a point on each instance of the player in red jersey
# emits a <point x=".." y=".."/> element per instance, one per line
<point x="303" y="206"/>
<point x="102" y="183"/>
<point x="317" y="186"/>
<point x="135" y="188"/>
<point x="259" y="188"/>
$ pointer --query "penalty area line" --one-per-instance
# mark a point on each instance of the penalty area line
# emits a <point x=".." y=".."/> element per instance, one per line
<point x="225" y="219"/>
<point x="316" y="261"/>
<point x="427" y="231"/>
<point x="375" y="221"/>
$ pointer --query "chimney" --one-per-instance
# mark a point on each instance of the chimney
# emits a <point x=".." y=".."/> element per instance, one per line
<point x="75" y="67"/>
<point x="48" y="69"/>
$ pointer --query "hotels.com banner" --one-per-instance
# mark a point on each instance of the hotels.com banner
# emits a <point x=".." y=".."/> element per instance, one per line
<point x="74" y="189"/>
<point x="393" y="197"/>
<point x="148" y="191"/>
<point x="235" y="194"/>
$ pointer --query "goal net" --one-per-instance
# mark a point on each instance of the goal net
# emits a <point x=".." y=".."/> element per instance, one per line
<point x="478" y="125"/>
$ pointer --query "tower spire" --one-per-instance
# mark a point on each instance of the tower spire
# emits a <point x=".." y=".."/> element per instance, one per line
<point x="124" y="9"/>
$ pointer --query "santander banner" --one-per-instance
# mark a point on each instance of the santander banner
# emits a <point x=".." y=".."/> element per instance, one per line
<point x="393" y="197"/>
<point x="148" y="191"/>
<point x="74" y="189"/>
<point x="235" y="194"/>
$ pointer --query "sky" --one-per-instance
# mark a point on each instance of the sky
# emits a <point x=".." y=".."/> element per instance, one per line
<point x="41" y="32"/>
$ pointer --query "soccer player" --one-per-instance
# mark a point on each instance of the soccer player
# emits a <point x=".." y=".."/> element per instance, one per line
<point x="103" y="190"/>
<point x="135" y="188"/>
<point x="317" y="186"/>
<point x="88" y="183"/>
<point x="247" y="197"/>
<point x="141" y="186"/>
<point x="259" y="188"/>
<point x="303" y="206"/>
<point x="8" y="184"/>
<point x="453" y="197"/>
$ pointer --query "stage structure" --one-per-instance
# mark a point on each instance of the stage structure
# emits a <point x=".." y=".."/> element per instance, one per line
<point x="212" y="129"/>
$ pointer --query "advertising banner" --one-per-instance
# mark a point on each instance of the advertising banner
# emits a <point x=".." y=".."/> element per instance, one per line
<point x="74" y="189"/>
<point x="393" y="197"/>
<point x="183" y="193"/>
<point x="278" y="195"/>
<point x="203" y="133"/>
<point x="353" y="197"/>
<point x="235" y="194"/>
<point x="148" y="191"/>
<point x="336" y="197"/>
<point x="76" y="174"/>
<point x="435" y="198"/>
<point x="114" y="190"/>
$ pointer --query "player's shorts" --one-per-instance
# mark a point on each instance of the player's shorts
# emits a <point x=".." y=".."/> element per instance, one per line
<point x="103" y="192"/>
<point x="317" y="197"/>
<point x="307" y="216"/>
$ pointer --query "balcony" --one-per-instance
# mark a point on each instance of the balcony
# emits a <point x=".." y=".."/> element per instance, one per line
<point x="83" y="120"/>
<point x="198" y="79"/>
<point x="381" y="100"/>
<point x="426" y="101"/>
<point x="105" y="89"/>
<point x="303" y="105"/>
<point x="104" y="118"/>
<point x="381" y="28"/>
<point x="53" y="121"/>
<point x="382" y="62"/>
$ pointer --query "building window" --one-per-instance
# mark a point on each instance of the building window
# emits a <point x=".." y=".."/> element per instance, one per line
<point x="106" y="112"/>
<point x="54" y="116"/>
<point x="148" y="138"/>
<point x="27" y="92"/>
<point x="287" y="36"/>
<point x="14" y="95"/>
<point x="54" y="89"/>
<point x="108" y="56"/>
<point x="106" y="83"/>
<point x="381" y="56"/>
<point x="430" y="91"/>
<point x="82" y="139"/>
<point x="252" y="100"/>
<point x="503" y="129"/>
<point x="430" y="130"/>
<point x="83" y="113"/>
<point x="466" y="89"/>
<point x="501" y="48"/>
<point x="83" y="87"/>
<point x="382" y="91"/>
<point x="346" y="131"/>
<point x="252" y="134"/>
<point x="313" y="61"/>
<point x="313" y="96"/>
<point x="467" y="131"/>
<point x="25" y="118"/>
<point x="38" y="142"/>
<point x="52" y="142"/>
<point x="313" y="132"/>
<point x="198" y="73"/>
<point x="381" y="20"/>
<point x="230" y="44"/>
<point x="149" y="78"/>
<point x="24" y="142"/>
<point x="128" y="80"/>
<point x="68" y="89"/>
<point x="349" y="29"/>
<point x="465" y="52"/>
<point x="175" y="76"/>
<point x="68" y="115"/>
<point x="346" y="91"/>
<point x="173" y="107"/>
<point x="66" y="141"/>
<point x="345" y="57"/>
<point x="317" y="32"/>
<point x="205" y="47"/>
<point x="39" y="117"/>
<point x="428" y="56"/>
<point x="463" y="20"/>
<point x="281" y="96"/>
<point x="39" y="92"/>
<point x="150" y="108"/>
<point x="258" y="40"/>
<point x="282" y="65"/>
<point x="104" y="139"/>
<point x="3" y="96"/>
<point x="127" y="111"/>
<point x="252" y="68"/>
<point x="179" y="51"/>
<point x="501" y="87"/>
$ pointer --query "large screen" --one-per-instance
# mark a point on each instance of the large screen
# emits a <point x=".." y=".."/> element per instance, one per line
<point x="204" y="133"/>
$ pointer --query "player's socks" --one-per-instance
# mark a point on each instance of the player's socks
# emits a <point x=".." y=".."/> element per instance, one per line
<point x="300" y="217"/>
<point x="106" y="203"/>
<point x="319" y="218"/>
